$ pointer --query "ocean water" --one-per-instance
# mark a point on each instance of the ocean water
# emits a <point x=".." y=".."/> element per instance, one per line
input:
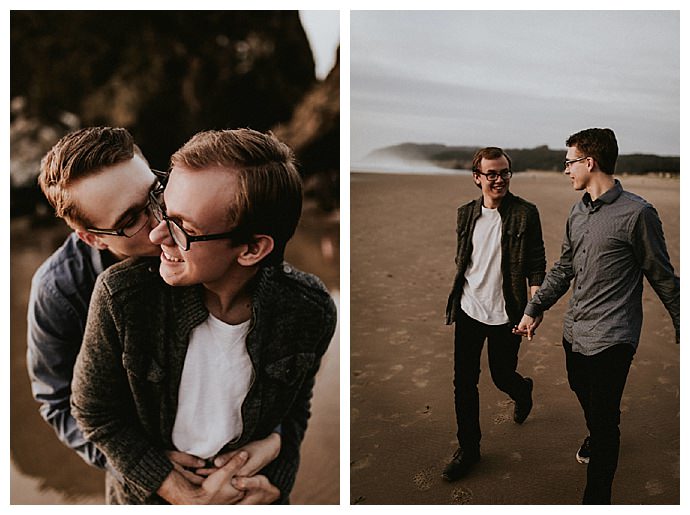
<point x="404" y="167"/>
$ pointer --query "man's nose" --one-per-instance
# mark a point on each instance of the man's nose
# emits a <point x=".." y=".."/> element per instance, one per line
<point x="159" y="232"/>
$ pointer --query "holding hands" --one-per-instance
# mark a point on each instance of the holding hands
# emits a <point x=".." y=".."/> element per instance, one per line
<point x="528" y="326"/>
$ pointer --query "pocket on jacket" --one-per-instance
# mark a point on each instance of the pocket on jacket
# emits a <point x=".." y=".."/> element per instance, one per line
<point x="290" y="369"/>
<point x="515" y="248"/>
<point x="143" y="367"/>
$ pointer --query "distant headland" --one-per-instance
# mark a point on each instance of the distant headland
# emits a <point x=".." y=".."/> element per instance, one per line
<point x="538" y="158"/>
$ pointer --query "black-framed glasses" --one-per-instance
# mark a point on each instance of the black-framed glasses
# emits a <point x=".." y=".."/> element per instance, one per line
<point x="568" y="162"/>
<point x="493" y="176"/>
<point x="162" y="177"/>
<point x="178" y="234"/>
<point x="138" y="219"/>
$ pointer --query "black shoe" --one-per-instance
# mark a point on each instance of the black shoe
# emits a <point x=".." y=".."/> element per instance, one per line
<point x="584" y="452"/>
<point x="523" y="408"/>
<point x="460" y="465"/>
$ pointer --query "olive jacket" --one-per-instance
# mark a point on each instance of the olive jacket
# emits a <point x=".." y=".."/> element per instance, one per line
<point x="127" y="375"/>
<point x="523" y="260"/>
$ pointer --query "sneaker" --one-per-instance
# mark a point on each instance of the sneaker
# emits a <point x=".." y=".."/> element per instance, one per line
<point x="522" y="408"/>
<point x="460" y="465"/>
<point x="584" y="452"/>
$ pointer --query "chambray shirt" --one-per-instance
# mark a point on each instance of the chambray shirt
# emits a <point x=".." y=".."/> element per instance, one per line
<point x="609" y="244"/>
<point x="58" y="305"/>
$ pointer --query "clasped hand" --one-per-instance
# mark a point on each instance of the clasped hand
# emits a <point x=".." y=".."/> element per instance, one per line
<point x="232" y="480"/>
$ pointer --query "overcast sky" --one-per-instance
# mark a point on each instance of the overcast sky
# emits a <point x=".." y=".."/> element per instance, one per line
<point x="514" y="78"/>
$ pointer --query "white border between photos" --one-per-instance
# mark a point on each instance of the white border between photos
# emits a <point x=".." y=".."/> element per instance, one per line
<point x="345" y="7"/>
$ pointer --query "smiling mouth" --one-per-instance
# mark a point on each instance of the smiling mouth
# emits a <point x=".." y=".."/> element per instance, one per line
<point x="168" y="257"/>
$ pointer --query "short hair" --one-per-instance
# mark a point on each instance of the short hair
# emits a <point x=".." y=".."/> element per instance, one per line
<point x="269" y="198"/>
<point x="600" y="144"/>
<point x="489" y="153"/>
<point x="79" y="154"/>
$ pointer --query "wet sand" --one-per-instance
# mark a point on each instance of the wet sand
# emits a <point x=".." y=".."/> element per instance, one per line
<point x="402" y="417"/>
<point x="44" y="471"/>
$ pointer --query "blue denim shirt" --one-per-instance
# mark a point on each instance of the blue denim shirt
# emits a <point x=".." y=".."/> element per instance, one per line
<point x="58" y="304"/>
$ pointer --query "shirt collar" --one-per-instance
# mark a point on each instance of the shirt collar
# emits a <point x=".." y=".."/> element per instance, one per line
<point x="609" y="197"/>
<point x="101" y="259"/>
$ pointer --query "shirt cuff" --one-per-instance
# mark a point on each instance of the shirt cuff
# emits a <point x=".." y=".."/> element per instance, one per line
<point x="533" y="310"/>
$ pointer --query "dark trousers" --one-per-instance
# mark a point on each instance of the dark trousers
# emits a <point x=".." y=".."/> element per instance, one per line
<point x="598" y="381"/>
<point x="503" y="347"/>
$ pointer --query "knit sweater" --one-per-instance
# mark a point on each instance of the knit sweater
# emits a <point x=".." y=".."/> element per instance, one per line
<point x="127" y="375"/>
<point x="523" y="259"/>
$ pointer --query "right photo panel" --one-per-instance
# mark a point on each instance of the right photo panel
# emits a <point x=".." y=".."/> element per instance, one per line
<point x="515" y="257"/>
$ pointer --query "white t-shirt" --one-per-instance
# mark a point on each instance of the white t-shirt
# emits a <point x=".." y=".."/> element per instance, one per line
<point x="482" y="295"/>
<point x="215" y="380"/>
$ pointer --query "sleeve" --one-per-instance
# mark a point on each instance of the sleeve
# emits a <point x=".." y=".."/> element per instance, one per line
<point x="536" y="255"/>
<point x="556" y="282"/>
<point x="54" y="336"/>
<point x="460" y="235"/>
<point x="283" y="470"/>
<point x="649" y="247"/>
<point x="103" y="406"/>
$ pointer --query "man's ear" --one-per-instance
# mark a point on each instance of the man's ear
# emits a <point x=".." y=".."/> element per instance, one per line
<point x="258" y="248"/>
<point x="91" y="239"/>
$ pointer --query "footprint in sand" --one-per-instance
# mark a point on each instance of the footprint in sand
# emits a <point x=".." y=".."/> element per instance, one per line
<point x="399" y="337"/>
<point x="502" y="418"/>
<point x="654" y="487"/>
<point x="361" y="463"/>
<point x="421" y="371"/>
<point x="417" y="378"/>
<point x="461" y="496"/>
<point x="393" y="370"/>
<point x="420" y="383"/>
<point x="507" y="413"/>
<point x="423" y="479"/>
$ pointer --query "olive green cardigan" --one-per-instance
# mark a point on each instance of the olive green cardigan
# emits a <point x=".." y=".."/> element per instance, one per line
<point x="523" y="260"/>
<point x="127" y="375"/>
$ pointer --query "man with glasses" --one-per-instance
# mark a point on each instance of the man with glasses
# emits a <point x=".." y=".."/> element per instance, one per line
<point x="218" y="342"/>
<point x="100" y="183"/>
<point x="612" y="239"/>
<point x="499" y="253"/>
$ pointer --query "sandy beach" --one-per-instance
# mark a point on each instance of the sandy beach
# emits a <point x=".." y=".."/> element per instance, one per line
<point x="43" y="471"/>
<point x="402" y="418"/>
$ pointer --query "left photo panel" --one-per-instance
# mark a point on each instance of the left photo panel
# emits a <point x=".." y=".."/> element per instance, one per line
<point x="175" y="257"/>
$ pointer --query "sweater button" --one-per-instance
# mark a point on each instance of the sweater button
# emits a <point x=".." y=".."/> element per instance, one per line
<point x="287" y="269"/>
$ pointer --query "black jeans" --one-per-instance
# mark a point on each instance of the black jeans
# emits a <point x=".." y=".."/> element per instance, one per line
<point x="503" y="347"/>
<point x="598" y="381"/>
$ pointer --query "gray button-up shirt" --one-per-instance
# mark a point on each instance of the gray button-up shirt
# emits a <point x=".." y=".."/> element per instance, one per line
<point x="609" y="244"/>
